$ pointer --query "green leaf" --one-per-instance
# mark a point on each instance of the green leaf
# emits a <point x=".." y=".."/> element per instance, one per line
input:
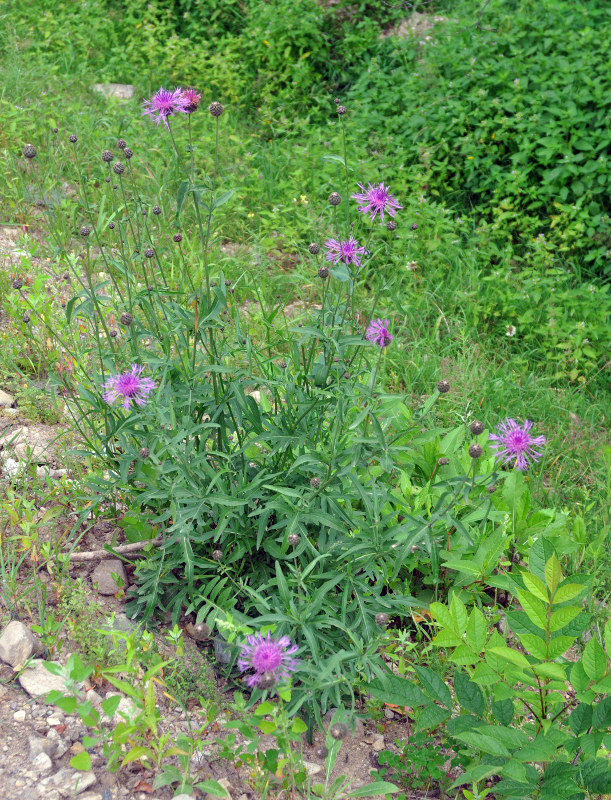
<point x="484" y="742"/>
<point x="513" y="656"/>
<point x="608" y="637"/>
<point x="136" y="753"/>
<point x="553" y="573"/>
<point x="579" y="679"/>
<point x="221" y="199"/>
<point x="213" y="787"/>
<point x="442" y="615"/>
<point x="558" y="646"/>
<point x="594" y="660"/>
<point x="534" y="645"/>
<point x="601" y="721"/>
<point x="374" y="789"/>
<point x="446" y="638"/>
<point x="534" y="608"/>
<point x="81" y="761"/>
<point x="434" y="686"/>
<point x="110" y="705"/>
<point x="430" y="717"/>
<point x="476" y="630"/>
<point x="503" y="710"/>
<point x="535" y="586"/>
<point x="397" y="691"/>
<point x="580" y="718"/>
<point x="484" y="674"/>
<point x="556" y="672"/>
<point x="267" y="726"/>
<point x="458" y="611"/>
<point x="468" y="693"/>
<point x="538" y="556"/>
<point x="559" y="619"/>
<point x="567" y="592"/>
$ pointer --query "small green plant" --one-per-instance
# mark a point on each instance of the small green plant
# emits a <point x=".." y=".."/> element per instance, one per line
<point x="532" y="717"/>
<point x="418" y="764"/>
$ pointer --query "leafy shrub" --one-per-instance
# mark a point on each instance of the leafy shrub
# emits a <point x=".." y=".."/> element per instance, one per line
<point x="508" y="122"/>
<point x="529" y="714"/>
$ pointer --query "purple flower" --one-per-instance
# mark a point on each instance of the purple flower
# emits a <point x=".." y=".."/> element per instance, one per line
<point x="376" y="200"/>
<point x="129" y="386"/>
<point x="271" y="659"/>
<point x="165" y="104"/>
<point x="377" y="332"/>
<point x="192" y="100"/>
<point x="348" y="252"/>
<point x="514" y="443"/>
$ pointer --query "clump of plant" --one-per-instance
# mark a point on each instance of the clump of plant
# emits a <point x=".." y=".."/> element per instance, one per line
<point x="530" y="716"/>
<point x="284" y="482"/>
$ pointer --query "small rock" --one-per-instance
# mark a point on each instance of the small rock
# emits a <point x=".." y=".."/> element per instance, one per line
<point x="67" y="782"/>
<point x="37" y="680"/>
<point x="199" y="632"/>
<point x="185" y="796"/>
<point x="48" y="745"/>
<point x="19" y="716"/>
<point x="311" y="768"/>
<point x="378" y="744"/>
<point x="122" y="91"/>
<point x="17" y="644"/>
<point x="10" y="467"/>
<point x="102" y="576"/>
<point x="91" y="796"/>
<point x="55" y="720"/>
<point x="389" y="714"/>
<point x="126" y="707"/>
<point x="42" y="764"/>
<point x="6" y="401"/>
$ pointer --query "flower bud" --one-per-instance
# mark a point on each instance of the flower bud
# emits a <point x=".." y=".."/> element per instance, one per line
<point x="126" y="319"/>
<point x="144" y="453"/>
<point x="216" y="109"/>
<point x="107" y="156"/>
<point x="381" y="619"/>
<point x="315" y="482"/>
<point x="475" y="451"/>
<point x="335" y="199"/>
<point x="314" y="248"/>
<point x="443" y="387"/>
<point x="476" y="427"/>
<point x="338" y="731"/>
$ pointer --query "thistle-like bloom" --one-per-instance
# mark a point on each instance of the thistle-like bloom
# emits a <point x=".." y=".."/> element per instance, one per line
<point x="376" y="200"/>
<point x="348" y="252"/>
<point x="130" y="387"/>
<point x="269" y="658"/>
<point x="515" y="444"/>
<point x="377" y="332"/>
<point x="192" y="100"/>
<point x="164" y="104"/>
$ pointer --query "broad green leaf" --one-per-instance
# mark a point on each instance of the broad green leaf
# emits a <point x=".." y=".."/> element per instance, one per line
<point x="535" y="586"/>
<point x="562" y="617"/>
<point x="397" y="691"/>
<point x="484" y="674"/>
<point x="556" y="672"/>
<point x="442" y="615"/>
<point x="434" y="686"/>
<point x="567" y="592"/>
<point x="608" y="637"/>
<point x="580" y="718"/>
<point x="558" y="646"/>
<point x="267" y="726"/>
<point x="601" y="721"/>
<point x="553" y="573"/>
<point x="503" y="710"/>
<point x="476" y="630"/>
<point x="513" y="656"/>
<point x="538" y="556"/>
<point x="430" y="717"/>
<point x="603" y="686"/>
<point x="374" y="789"/>
<point x="180" y="196"/>
<point x="474" y="775"/>
<point x="484" y="742"/>
<point x="81" y="761"/>
<point x="579" y="679"/>
<point x="534" y="645"/>
<point x="534" y="608"/>
<point x="110" y="705"/>
<point x="299" y="726"/>
<point x="468" y="693"/>
<point x="464" y="655"/>
<point x="264" y="708"/>
<point x="594" y="660"/>
<point x="446" y="638"/>
<point x="213" y="787"/>
<point x="458" y="611"/>
<point x="136" y="753"/>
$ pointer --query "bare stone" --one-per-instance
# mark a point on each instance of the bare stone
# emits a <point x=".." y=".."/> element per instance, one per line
<point x="6" y="401"/>
<point x="17" y="644"/>
<point x="42" y="764"/>
<point x="102" y="576"/>
<point x="37" y="680"/>
<point x="31" y="442"/>
<point x="122" y="91"/>
<point x="66" y="782"/>
<point x="19" y="716"/>
<point x="47" y="745"/>
<point x="378" y="744"/>
<point x="311" y="768"/>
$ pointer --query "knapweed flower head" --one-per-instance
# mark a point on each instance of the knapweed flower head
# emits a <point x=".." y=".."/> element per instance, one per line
<point x="129" y="387"/>
<point x="348" y="252"/>
<point x="376" y="200"/>
<point x="192" y="100"/>
<point x="267" y="657"/>
<point x="515" y="444"/>
<point x="164" y="104"/>
<point x="378" y="333"/>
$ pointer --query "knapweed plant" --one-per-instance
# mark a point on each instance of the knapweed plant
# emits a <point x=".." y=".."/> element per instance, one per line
<point x="282" y="479"/>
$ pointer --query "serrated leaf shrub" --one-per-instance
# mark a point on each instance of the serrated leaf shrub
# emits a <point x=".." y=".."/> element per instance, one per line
<point x="506" y="118"/>
<point x="526" y="708"/>
<point x="275" y="480"/>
